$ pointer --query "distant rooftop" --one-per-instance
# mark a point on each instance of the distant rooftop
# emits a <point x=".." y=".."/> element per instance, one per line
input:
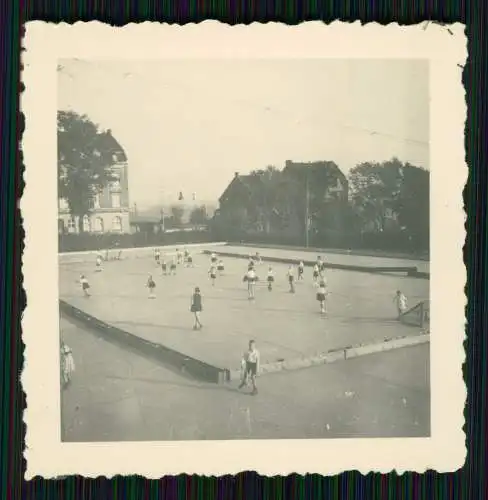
<point x="108" y="142"/>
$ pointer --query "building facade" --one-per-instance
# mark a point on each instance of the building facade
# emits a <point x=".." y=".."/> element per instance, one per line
<point x="110" y="206"/>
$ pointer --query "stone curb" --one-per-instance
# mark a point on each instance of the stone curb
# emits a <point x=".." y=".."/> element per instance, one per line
<point x="71" y="257"/>
<point x="184" y="363"/>
<point x="147" y="249"/>
<point x="407" y="270"/>
<point x="337" y="251"/>
<point x="342" y="354"/>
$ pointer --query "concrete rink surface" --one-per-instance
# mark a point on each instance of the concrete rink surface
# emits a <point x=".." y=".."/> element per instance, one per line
<point x="285" y="326"/>
<point x="118" y="395"/>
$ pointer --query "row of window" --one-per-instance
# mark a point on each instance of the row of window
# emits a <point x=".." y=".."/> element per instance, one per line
<point x="114" y="200"/>
<point x="98" y="226"/>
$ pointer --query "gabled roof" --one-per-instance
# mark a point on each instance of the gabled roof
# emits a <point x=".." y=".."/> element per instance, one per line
<point x="295" y="168"/>
<point x="248" y="181"/>
<point x="109" y="143"/>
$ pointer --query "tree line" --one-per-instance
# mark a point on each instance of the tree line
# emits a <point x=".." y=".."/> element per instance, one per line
<point x="387" y="204"/>
<point x="390" y="197"/>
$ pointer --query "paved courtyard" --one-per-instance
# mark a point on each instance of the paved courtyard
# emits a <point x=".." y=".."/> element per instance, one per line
<point x="285" y="325"/>
<point x="117" y="395"/>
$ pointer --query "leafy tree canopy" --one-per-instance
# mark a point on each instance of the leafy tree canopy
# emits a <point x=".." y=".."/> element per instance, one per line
<point x="198" y="215"/>
<point x="84" y="162"/>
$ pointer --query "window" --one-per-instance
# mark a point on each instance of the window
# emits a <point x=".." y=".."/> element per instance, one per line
<point x="96" y="200"/>
<point x="99" y="225"/>
<point x="63" y="204"/>
<point x="86" y="224"/>
<point x="60" y="226"/>
<point x="117" y="224"/>
<point x="115" y="158"/>
<point x="115" y="185"/>
<point x="115" y="200"/>
<point x="71" y="225"/>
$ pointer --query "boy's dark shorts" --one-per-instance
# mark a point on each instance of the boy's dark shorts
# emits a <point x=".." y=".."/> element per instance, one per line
<point x="251" y="368"/>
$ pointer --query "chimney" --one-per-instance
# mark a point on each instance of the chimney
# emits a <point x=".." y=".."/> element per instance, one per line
<point x="288" y="163"/>
<point x="236" y="174"/>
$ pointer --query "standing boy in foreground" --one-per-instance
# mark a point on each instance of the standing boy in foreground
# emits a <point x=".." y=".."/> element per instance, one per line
<point x="250" y="362"/>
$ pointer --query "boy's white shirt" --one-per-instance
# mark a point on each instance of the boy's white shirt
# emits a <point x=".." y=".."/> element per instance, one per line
<point x="245" y="358"/>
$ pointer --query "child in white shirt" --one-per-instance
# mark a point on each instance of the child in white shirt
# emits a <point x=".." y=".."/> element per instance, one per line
<point x="401" y="303"/>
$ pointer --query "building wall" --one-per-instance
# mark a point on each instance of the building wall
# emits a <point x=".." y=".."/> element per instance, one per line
<point x="99" y="222"/>
<point x="110" y="211"/>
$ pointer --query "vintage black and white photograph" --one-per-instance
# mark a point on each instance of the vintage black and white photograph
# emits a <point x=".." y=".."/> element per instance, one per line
<point x="244" y="249"/>
<point x="243" y="264"/>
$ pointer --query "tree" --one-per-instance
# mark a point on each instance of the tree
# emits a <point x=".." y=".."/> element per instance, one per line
<point x="84" y="162"/>
<point x="401" y="188"/>
<point x="413" y="204"/>
<point x="198" y="215"/>
<point x="177" y="214"/>
<point x="374" y="187"/>
<point x="266" y="195"/>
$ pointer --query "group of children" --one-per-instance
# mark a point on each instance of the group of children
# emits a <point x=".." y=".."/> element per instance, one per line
<point x="180" y="258"/>
<point x="250" y="361"/>
<point x="216" y="267"/>
<point x="251" y="278"/>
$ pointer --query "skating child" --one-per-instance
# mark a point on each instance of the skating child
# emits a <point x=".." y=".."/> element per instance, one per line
<point x="319" y="262"/>
<point x="220" y="267"/>
<point x="212" y="272"/>
<point x="164" y="266"/>
<point x="301" y="269"/>
<point x="99" y="263"/>
<point x="270" y="278"/>
<point x="189" y="261"/>
<point x="196" y="308"/>
<point x="323" y="267"/>
<point x="67" y="364"/>
<point x="151" y="285"/>
<point x="250" y="362"/>
<point x="172" y="267"/>
<point x="257" y="258"/>
<point x="316" y="271"/>
<point x="85" y="286"/>
<point x="179" y="256"/>
<point x="322" y="296"/>
<point x="213" y="258"/>
<point x="291" y="279"/>
<point x="157" y="256"/>
<point x="251" y="279"/>
<point x="401" y="303"/>
<point x="250" y="264"/>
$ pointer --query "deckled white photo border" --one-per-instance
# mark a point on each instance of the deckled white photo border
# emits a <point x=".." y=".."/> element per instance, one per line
<point x="44" y="45"/>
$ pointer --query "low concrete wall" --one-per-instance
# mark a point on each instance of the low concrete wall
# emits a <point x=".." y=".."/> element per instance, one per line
<point x="340" y="251"/>
<point x="133" y="253"/>
<point x="209" y="373"/>
<point x="186" y="364"/>
<point x="311" y="263"/>
<point x="339" y="354"/>
<point x="419" y="274"/>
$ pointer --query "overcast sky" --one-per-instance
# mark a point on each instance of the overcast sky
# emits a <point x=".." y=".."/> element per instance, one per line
<point x="188" y="125"/>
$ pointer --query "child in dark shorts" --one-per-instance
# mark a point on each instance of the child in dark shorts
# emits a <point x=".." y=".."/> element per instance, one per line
<point x="151" y="285"/>
<point x="250" y="362"/>
<point x="196" y="308"/>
